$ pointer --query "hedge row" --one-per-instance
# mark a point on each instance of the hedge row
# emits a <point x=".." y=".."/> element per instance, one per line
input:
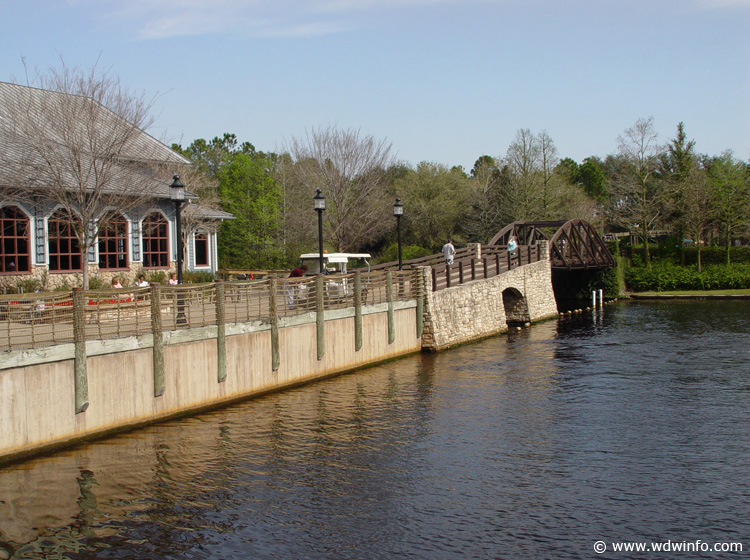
<point x="709" y="255"/>
<point x="665" y="277"/>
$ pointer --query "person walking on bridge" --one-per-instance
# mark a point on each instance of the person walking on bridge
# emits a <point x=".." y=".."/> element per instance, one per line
<point x="512" y="244"/>
<point x="449" y="251"/>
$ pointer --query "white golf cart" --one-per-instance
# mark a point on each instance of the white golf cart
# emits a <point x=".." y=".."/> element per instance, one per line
<point x="337" y="288"/>
<point x="334" y="263"/>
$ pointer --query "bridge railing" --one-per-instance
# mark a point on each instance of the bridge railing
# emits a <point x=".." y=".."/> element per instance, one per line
<point x="45" y="319"/>
<point x="467" y="266"/>
<point x="495" y="260"/>
<point x="429" y="260"/>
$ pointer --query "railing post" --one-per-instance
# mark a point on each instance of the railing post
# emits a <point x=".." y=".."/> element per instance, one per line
<point x="473" y="269"/>
<point x="447" y="276"/>
<point x="418" y="278"/>
<point x="79" y="340"/>
<point x="158" y="348"/>
<point x="484" y="265"/>
<point x="475" y="249"/>
<point x="221" y="332"/>
<point x="460" y="272"/>
<point x="357" y="311"/>
<point x="434" y="279"/>
<point x="273" y="292"/>
<point x="319" y="316"/>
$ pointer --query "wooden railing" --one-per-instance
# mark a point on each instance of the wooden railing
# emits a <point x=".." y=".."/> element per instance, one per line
<point x="44" y="319"/>
<point x="492" y="263"/>
<point x="495" y="259"/>
<point x="429" y="260"/>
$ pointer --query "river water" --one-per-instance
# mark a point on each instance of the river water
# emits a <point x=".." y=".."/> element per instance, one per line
<point x="627" y="425"/>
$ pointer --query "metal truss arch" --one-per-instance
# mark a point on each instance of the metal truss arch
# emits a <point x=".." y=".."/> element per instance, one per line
<point x="575" y="245"/>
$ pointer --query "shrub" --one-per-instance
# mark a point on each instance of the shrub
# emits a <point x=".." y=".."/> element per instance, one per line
<point x="390" y="254"/>
<point x="156" y="277"/>
<point x="95" y="283"/>
<point x="25" y="286"/>
<point x="197" y="277"/>
<point x="665" y="277"/>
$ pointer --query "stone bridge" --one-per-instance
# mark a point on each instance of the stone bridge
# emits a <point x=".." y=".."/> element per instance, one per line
<point x="485" y="307"/>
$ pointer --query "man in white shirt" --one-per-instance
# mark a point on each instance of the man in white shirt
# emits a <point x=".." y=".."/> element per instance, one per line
<point x="449" y="252"/>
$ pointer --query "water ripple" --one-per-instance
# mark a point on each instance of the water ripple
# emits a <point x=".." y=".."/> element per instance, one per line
<point x="625" y="425"/>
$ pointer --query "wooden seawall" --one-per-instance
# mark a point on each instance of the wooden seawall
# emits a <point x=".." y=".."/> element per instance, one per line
<point x="58" y="394"/>
<point x="83" y="375"/>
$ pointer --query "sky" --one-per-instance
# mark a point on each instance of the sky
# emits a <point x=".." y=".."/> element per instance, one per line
<point x="444" y="81"/>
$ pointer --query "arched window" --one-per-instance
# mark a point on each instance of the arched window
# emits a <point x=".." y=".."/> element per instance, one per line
<point x="64" y="248"/>
<point x="113" y="244"/>
<point x="154" y="233"/>
<point x="14" y="240"/>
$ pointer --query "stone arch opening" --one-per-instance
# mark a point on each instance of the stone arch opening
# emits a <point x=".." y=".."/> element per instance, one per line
<point x="516" y="308"/>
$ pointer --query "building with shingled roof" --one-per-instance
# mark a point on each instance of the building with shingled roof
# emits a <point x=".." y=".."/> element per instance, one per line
<point x="38" y="244"/>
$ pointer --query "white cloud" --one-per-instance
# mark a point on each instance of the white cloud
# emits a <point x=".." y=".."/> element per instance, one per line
<point x="156" y="19"/>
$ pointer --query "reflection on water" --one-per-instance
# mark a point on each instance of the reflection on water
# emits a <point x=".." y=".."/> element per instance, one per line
<point x="626" y="425"/>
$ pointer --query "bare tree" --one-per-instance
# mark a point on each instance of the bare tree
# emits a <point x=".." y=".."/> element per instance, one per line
<point x="351" y="170"/>
<point x="696" y="204"/>
<point x="637" y="200"/>
<point x="521" y="195"/>
<point x="551" y="188"/>
<point x="485" y="183"/>
<point x="196" y="216"/>
<point x="78" y="141"/>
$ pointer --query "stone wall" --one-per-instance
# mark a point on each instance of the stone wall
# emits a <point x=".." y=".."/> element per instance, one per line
<point x="476" y="309"/>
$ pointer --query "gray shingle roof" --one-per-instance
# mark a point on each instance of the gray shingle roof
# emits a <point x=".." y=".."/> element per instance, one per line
<point x="67" y="124"/>
<point x="203" y="213"/>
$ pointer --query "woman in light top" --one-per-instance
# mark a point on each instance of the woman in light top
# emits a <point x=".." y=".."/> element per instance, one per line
<point x="512" y="243"/>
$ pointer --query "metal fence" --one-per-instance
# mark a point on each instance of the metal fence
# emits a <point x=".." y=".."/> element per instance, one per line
<point x="45" y="319"/>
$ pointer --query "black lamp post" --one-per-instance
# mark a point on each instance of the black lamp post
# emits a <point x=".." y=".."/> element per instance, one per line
<point x="177" y="194"/>
<point x="320" y="206"/>
<point x="398" y="211"/>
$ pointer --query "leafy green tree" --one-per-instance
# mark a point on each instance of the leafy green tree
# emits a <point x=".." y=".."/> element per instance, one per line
<point x="567" y="168"/>
<point x="254" y="198"/>
<point x="592" y="179"/>
<point x="211" y="156"/>
<point x="246" y="189"/>
<point x="730" y="182"/>
<point x="435" y="200"/>
<point x="678" y="171"/>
